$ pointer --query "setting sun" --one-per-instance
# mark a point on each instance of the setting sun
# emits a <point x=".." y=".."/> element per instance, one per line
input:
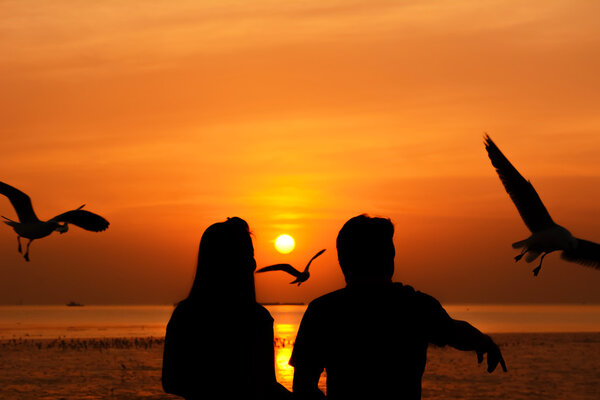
<point x="285" y="244"/>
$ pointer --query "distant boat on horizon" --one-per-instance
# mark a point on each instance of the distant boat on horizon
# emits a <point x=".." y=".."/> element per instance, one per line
<point x="74" y="304"/>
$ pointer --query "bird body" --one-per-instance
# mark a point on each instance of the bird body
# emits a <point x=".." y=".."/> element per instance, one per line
<point x="301" y="276"/>
<point x="32" y="230"/>
<point x="547" y="241"/>
<point x="31" y="227"/>
<point x="546" y="235"/>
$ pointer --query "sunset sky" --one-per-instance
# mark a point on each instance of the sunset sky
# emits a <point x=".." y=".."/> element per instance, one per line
<point x="165" y="117"/>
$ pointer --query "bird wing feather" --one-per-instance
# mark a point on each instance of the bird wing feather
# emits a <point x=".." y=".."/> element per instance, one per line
<point x="281" y="267"/>
<point x="521" y="191"/>
<point x="586" y="253"/>
<point x="315" y="256"/>
<point x="83" y="219"/>
<point x="20" y="202"/>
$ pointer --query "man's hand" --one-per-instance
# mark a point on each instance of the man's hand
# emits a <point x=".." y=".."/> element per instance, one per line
<point x="494" y="356"/>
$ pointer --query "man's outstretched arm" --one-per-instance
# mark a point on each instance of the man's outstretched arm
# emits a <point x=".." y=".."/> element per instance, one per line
<point x="466" y="337"/>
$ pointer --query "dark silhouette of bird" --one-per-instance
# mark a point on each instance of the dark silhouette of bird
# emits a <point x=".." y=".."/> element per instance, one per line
<point x="546" y="235"/>
<point x="30" y="227"/>
<point x="300" y="276"/>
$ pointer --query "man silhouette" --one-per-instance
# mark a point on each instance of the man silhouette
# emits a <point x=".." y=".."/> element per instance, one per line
<point x="372" y="336"/>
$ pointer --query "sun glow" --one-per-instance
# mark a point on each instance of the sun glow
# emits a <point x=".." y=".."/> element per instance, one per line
<point x="285" y="244"/>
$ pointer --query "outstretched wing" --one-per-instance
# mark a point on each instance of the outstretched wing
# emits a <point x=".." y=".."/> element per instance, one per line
<point x="20" y="202"/>
<point x="281" y="267"/>
<point x="83" y="219"/>
<point x="528" y="202"/>
<point x="586" y="253"/>
<point x="315" y="256"/>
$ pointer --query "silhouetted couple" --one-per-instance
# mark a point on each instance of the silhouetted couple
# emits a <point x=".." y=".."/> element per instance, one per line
<point x="371" y="336"/>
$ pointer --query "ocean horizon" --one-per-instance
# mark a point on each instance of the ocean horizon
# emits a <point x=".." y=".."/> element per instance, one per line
<point x="51" y="321"/>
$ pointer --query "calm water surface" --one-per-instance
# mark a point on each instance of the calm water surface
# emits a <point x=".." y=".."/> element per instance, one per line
<point x="552" y="351"/>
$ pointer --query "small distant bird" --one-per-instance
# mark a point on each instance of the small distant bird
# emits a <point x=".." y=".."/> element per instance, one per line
<point x="30" y="227"/>
<point x="300" y="276"/>
<point x="546" y="235"/>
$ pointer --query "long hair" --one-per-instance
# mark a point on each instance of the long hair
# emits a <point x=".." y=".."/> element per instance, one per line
<point x="225" y="269"/>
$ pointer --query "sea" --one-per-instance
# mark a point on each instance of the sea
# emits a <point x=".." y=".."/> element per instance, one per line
<point x="115" y="352"/>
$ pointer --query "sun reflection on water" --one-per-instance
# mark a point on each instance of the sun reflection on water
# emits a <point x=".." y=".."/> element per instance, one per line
<point x="285" y="335"/>
<point x="283" y="370"/>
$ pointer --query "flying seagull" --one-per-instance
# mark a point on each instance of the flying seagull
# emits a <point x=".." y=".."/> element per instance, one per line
<point x="30" y="227"/>
<point x="546" y="235"/>
<point x="300" y="276"/>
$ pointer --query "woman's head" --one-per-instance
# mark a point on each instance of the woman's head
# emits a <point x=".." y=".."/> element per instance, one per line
<point x="225" y="270"/>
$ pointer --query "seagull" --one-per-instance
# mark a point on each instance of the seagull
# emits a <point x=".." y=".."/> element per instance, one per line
<point x="30" y="227"/>
<point x="300" y="276"/>
<point x="546" y="235"/>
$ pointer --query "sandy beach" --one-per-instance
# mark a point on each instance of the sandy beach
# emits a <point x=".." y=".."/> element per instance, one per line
<point x="540" y="366"/>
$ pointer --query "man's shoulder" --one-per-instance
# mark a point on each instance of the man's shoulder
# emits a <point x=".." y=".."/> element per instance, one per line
<point x="392" y="293"/>
<point x="329" y="298"/>
<point x="417" y="296"/>
<point x="396" y="288"/>
<point x="403" y="289"/>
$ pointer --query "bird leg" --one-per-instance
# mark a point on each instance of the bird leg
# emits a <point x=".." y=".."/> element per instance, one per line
<point x="27" y="250"/>
<point x="518" y="257"/>
<point x="19" y="241"/>
<point x="536" y="270"/>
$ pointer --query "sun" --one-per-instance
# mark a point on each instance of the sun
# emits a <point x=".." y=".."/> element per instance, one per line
<point x="285" y="244"/>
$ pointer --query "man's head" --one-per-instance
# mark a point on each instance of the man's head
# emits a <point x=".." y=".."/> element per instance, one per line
<point x="366" y="249"/>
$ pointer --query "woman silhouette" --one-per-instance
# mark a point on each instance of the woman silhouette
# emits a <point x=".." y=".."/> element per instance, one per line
<point x="219" y="340"/>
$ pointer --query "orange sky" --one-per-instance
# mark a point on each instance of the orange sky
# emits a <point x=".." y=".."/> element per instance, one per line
<point x="166" y="117"/>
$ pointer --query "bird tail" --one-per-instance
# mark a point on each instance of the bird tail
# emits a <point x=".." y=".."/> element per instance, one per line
<point x="519" y="244"/>
<point x="8" y="221"/>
